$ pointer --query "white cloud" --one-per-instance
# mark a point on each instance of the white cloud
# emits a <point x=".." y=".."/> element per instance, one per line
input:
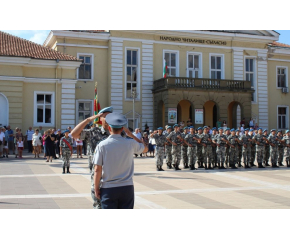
<point x="39" y="37"/>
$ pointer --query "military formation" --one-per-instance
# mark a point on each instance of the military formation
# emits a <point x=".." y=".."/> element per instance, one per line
<point x="220" y="149"/>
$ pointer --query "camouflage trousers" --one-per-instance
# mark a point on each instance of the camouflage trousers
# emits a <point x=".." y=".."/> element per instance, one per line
<point x="199" y="154"/>
<point x="221" y="154"/>
<point x="168" y="154"/>
<point x="159" y="155"/>
<point x="176" y="154"/>
<point x="192" y="155"/>
<point x="207" y="154"/>
<point x="233" y="155"/>
<point x="266" y="154"/>
<point x="239" y="154"/>
<point x="214" y="155"/>
<point x="274" y="154"/>
<point x="184" y="154"/>
<point x="286" y="154"/>
<point x="90" y="156"/>
<point x="246" y="154"/>
<point x="253" y="154"/>
<point x="280" y="154"/>
<point x="65" y="157"/>
<point x="260" y="151"/>
<point x="97" y="202"/>
<point x="227" y="155"/>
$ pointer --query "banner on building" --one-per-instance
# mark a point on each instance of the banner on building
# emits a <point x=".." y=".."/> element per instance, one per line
<point x="198" y="116"/>
<point x="172" y="115"/>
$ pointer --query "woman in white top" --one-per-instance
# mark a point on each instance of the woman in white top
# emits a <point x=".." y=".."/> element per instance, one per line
<point x="79" y="144"/>
<point x="36" y="142"/>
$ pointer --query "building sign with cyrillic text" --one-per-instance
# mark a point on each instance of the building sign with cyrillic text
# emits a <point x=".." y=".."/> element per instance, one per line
<point x="192" y="40"/>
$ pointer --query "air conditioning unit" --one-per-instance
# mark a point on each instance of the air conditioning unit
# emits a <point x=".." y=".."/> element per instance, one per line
<point x="285" y="90"/>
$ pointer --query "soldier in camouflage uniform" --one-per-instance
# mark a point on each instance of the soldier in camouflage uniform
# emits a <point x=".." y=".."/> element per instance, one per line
<point x="184" y="149"/>
<point x="168" y="148"/>
<point x="93" y="137"/>
<point x="246" y="140"/>
<point x="233" y="150"/>
<point x="273" y="142"/>
<point x="175" y="139"/>
<point x="214" y="148"/>
<point x="286" y="140"/>
<point x="191" y="140"/>
<point x="267" y="149"/>
<point x="260" y="147"/>
<point x="280" y="148"/>
<point x="253" y="148"/>
<point x="160" y="140"/>
<point x="207" y="148"/>
<point x="227" y="133"/>
<point x="199" y="149"/>
<point x="220" y="140"/>
<point x="239" y="148"/>
<point x="66" y="151"/>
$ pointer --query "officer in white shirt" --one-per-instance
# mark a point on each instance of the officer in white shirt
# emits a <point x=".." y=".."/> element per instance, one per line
<point x="114" y="165"/>
<point x="29" y="134"/>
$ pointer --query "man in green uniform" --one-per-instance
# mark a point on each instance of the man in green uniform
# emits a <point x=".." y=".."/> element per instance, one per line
<point x="220" y="140"/>
<point x="273" y="142"/>
<point x="160" y="140"/>
<point x="267" y="149"/>
<point x="199" y="148"/>
<point x="246" y="140"/>
<point x="168" y="148"/>
<point x="191" y="140"/>
<point x="207" y="148"/>
<point x="233" y="149"/>
<point x="286" y="140"/>
<point x="259" y="139"/>
<point x="66" y="150"/>
<point x="214" y="147"/>
<point x="184" y="149"/>
<point x="280" y="147"/>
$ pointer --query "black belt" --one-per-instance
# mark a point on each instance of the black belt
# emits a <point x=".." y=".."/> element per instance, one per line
<point x="160" y="145"/>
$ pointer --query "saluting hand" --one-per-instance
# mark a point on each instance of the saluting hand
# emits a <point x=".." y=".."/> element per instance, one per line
<point x="92" y="118"/>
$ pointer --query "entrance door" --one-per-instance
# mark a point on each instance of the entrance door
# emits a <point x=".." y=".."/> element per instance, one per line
<point x="4" y="110"/>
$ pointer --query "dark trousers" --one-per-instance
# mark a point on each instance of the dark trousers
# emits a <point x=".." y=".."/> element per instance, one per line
<point x="85" y="147"/>
<point x="118" y="197"/>
<point x="57" y="149"/>
<point x="29" y="144"/>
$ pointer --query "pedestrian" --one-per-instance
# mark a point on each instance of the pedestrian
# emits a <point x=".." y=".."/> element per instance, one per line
<point x="16" y="138"/>
<point x="43" y="143"/>
<point x="251" y="123"/>
<point x="41" y="131"/>
<point x="152" y="145"/>
<point x="29" y="134"/>
<point x="94" y="136"/>
<point x="189" y="122"/>
<point x="10" y="140"/>
<point x="49" y="145"/>
<point x="114" y="166"/>
<point x="65" y="151"/>
<point x="58" y="137"/>
<point x="2" y="142"/>
<point x="219" y="123"/>
<point x="138" y="134"/>
<point x="5" y="148"/>
<point x="160" y="140"/>
<point x="20" y="146"/>
<point x="36" y="143"/>
<point x="146" y="141"/>
<point x="79" y="144"/>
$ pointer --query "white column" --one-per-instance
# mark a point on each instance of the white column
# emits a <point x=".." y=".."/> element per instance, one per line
<point x="147" y="84"/>
<point x="117" y="76"/>
<point x="262" y="88"/>
<point x="238" y="64"/>
<point x="68" y="99"/>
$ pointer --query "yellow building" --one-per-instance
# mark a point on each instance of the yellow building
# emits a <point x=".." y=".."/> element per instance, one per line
<point x="210" y="75"/>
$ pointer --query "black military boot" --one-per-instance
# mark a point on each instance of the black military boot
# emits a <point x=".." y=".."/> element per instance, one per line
<point x="63" y="170"/>
<point x="176" y="167"/>
<point x="233" y="166"/>
<point x="252" y="164"/>
<point x="240" y="165"/>
<point x="222" y="166"/>
<point x="205" y="166"/>
<point x="210" y="167"/>
<point x="267" y="164"/>
<point x="202" y="166"/>
<point x="169" y="166"/>
<point x="260" y="165"/>
<point x="288" y="165"/>
<point x="246" y="165"/>
<point x="160" y="168"/>
<point x="274" y="165"/>
<point x="281" y="164"/>
<point x="192" y="167"/>
<point x="67" y="170"/>
<point x="186" y="165"/>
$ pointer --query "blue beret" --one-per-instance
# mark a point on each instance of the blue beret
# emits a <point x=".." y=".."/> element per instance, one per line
<point x="168" y="127"/>
<point x="175" y="125"/>
<point x="279" y="131"/>
<point x="251" y="130"/>
<point x="233" y="130"/>
<point x="200" y="128"/>
<point x="220" y="128"/>
<point x="214" y="128"/>
<point x="191" y="127"/>
<point x="116" y="120"/>
<point x="238" y="130"/>
<point x="260" y="129"/>
<point x="107" y="109"/>
<point x="160" y="128"/>
<point x="228" y="129"/>
<point x="204" y="127"/>
<point x="265" y="130"/>
<point x="287" y="131"/>
<point x="247" y="129"/>
<point x="272" y="130"/>
<point x="185" y="128"/>
<point x="65" y="131"/>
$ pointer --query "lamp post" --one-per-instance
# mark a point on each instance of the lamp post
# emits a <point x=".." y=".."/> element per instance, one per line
<point x="134" y="95"/>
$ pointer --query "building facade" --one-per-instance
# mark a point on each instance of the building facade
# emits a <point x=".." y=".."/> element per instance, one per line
<point x="210" y="75"/>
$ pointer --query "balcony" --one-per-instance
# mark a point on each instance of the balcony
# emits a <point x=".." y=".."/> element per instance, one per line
<point x="204" y="84"/>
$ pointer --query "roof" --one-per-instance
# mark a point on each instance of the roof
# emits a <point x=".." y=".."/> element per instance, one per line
<point x="90" y="31"/>
<point x="277" y="44"/>
<point x="18" y="47"/>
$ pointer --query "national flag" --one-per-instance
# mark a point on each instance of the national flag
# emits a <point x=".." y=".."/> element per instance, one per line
<point x="165" y="69"/>
<point x="97" y="106"/>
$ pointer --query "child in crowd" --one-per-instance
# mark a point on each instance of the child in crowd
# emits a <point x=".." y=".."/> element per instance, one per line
<point x="20" y="146"/>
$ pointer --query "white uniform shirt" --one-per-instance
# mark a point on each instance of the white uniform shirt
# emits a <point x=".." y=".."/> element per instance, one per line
<point x="115" y="155"/>
<point x="2" y="136"/>
<point x="29" y="135"/>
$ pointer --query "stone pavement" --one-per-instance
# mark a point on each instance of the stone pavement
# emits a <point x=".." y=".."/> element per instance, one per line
<point x="30" y="183"/>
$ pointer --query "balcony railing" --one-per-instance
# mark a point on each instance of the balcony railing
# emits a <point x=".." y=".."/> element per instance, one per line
<point x="201" y="83"/>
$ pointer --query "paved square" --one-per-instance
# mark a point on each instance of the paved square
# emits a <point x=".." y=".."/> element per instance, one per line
<point x="30" y="183"/>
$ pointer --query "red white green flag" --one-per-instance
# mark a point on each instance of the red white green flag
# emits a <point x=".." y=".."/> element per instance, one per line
<point x="165" y="69"/>
<point x="97" y="106"/>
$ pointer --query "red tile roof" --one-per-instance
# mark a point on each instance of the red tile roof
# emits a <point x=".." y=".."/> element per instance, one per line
<point x="18" y="47"/>
<point x="277" y="44"/>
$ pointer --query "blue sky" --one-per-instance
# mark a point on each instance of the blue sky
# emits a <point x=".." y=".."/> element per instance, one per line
<point x="39" y="36"/>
